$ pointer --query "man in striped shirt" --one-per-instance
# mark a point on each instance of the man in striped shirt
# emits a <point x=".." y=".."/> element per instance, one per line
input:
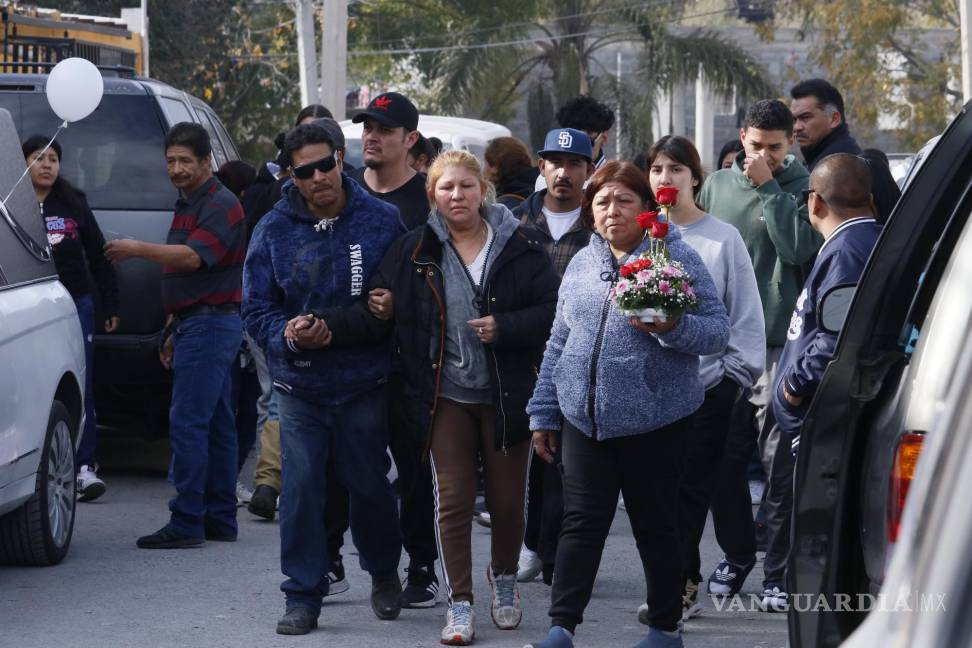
<point x="202" y="264"/>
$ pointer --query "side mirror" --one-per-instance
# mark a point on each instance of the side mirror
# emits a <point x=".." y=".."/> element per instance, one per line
<point x="834" y="306"/>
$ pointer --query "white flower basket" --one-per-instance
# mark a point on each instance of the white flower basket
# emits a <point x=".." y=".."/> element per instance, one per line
<point x="648" y="315"/>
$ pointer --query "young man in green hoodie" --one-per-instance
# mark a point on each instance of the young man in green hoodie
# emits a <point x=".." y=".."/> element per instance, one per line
<point x="760" y="196"/>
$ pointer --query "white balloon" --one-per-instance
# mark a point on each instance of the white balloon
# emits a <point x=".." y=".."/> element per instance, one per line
<point x="74" y="89"/>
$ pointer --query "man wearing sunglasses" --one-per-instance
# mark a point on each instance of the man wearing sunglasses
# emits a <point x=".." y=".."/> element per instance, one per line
<point x="315" y="252"/>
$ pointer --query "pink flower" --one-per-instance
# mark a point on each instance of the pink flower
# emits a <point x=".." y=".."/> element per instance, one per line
<point x="664" y="287"/>
<point x="622" y="286"/>
<point x="688" y="291"/>
<point x="644" y="276"/>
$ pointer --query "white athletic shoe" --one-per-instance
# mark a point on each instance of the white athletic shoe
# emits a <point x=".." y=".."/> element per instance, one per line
<point x="89" y="486"/>
<point x="243" y="494"/>
<point x="458" y="630"/>
<point x="505" y="608"/>
<point x="529" y="566"/>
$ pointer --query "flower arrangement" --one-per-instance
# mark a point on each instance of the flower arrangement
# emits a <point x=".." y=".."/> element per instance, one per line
<point x="653" y="286"/>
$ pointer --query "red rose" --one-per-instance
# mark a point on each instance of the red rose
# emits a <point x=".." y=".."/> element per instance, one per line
<point x="646" y="219"/>
<point x="659" y="229"/>
<point x="666" y="196"/>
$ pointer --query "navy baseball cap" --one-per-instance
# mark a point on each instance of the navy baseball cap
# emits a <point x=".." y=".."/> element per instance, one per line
<point x="391" y="109"/>
<point x="567" y="140"/>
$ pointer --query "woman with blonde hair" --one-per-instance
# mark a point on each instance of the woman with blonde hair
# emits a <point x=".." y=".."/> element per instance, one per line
<point x="471" y="297"/>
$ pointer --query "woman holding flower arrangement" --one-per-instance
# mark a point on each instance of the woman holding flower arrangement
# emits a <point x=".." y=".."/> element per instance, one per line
<point x="717" y="450"/>
<point x="624" y="390"/>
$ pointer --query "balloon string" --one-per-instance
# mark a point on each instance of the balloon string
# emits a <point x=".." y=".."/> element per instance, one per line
<point x="36" y="157"/>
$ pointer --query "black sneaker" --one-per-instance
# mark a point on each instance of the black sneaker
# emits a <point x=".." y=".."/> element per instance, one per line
<point x="168" y="538"/>
<point x="264" y="502"/>
<point x="385" y="597"/>
<point x="421" y="587"/>
<point x="297" y="621"/>
<point x="728" y="579"/>
<point x="336" y="582"/>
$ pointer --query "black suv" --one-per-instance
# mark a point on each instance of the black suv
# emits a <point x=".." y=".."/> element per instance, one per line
<point x="883" y="393"/>
<point x="116" y="156"/>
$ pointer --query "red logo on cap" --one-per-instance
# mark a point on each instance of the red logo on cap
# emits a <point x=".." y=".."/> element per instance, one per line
<point x="382" y="102"/>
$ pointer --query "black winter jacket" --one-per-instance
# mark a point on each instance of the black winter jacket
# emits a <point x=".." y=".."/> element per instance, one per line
<point x="520" y="292"/>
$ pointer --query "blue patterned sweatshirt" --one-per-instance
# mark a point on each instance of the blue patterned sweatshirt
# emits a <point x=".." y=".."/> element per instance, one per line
<point x="291" y="269"/>
<point x="605" y="376"/>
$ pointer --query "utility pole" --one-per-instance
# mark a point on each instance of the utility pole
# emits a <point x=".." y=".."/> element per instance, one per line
<point x="334" y="56"/>
<point x="306" y="52"/>
<point x="619" y="113"/>
<point x="704" y="120"/>
<point x="965" y="19"/>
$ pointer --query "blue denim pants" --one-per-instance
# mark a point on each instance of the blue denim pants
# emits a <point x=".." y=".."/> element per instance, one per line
<point x="356" y="434"/>
<point x="86" y="449"/>
<point x="202" y="428"/>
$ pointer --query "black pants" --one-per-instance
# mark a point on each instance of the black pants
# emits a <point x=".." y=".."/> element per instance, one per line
<point x="717" y="450"/>
<point x="545" y="508"/>
<point x="416" y="501"/>
<point x="645" y="468"/>
<point x="778" y="503"/>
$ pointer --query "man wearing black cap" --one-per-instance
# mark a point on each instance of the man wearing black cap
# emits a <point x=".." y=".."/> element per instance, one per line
<point x="390" y="124"/>
<point x="390" y="130"/>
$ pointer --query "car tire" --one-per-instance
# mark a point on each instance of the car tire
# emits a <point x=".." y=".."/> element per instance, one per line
<point x="39" y="532"/>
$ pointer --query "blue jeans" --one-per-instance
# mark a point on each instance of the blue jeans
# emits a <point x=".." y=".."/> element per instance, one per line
<point x="86" y="449"/>
<point x="356" y="434"/>
<point x="202" y="428"/>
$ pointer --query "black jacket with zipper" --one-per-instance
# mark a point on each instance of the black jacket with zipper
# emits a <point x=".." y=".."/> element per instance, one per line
<point x="520" y="292"/>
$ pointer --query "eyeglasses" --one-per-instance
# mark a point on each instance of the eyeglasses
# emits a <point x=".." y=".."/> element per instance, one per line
<point x="306" y="171"/>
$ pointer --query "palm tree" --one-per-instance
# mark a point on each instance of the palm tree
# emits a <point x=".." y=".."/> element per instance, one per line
<point x="486" y="69"/>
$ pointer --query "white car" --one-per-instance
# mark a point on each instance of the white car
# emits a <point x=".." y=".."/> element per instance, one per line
<point x="42" y="367"/>
<point x="455" y="132"/>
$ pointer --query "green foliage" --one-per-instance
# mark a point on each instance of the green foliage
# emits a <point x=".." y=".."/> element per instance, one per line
<point x="885" y="62"/>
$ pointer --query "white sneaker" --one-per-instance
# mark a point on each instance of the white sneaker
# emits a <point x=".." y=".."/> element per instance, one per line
<point x="505" y="608"/>
<point x="774" y="600"/>
<point x="756" y="489"/>
<point x="458" y="630"/>
<point x="529" y="565"/>
<point x="89" y="486"/>
<point x="243" y="494"/>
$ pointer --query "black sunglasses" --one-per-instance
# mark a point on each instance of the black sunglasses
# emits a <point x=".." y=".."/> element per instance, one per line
<point x="306" y="171"/>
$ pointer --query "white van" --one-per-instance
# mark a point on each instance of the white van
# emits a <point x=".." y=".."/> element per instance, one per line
<point x="455" y="132"/>
<point x="42" y="367"/>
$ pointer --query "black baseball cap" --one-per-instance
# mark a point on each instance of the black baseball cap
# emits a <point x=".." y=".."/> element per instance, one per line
<point x="391" y="109"/>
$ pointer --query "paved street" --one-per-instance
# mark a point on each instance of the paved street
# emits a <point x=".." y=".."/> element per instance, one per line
<point x="109" y="594"/>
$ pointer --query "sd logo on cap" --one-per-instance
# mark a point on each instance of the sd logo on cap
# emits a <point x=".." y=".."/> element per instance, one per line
<point x="567" y="140"/>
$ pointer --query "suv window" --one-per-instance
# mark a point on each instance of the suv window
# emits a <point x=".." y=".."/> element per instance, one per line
<point x="214" y="140"/>
<point x="175" y="111"/>
<point x="115" y="155"/>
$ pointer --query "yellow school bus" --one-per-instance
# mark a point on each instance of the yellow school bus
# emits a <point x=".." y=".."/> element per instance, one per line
<point x="35" y="39"/>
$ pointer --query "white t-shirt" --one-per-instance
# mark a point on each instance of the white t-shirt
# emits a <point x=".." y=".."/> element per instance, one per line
<point x="560" y="222"/>
<point x="476" y="267"/>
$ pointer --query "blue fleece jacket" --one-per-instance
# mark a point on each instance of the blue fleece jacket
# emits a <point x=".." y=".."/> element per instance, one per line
<point x="809" y="348"/>
<point x="292" y="269"/>
<point x="605" y="376"/>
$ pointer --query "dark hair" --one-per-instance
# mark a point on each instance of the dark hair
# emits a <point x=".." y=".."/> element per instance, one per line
<point x="237" y="176"/>
<point x="61" y="188"/>
<point x="641" y="161"/>
<point x="585" y="113"/>
<point x="436" y="146"/>
<point x="192" y="136"/>
<point x="305" y="134"/>
<point x="313" y="110"/>
<point x="624" y="173"/>
<point x="509" y="155"/>
<point x="422" y="146"/>
<point x="876" y="155"/>
<point x="681" y="150"/>
<point x="732" y="146"/>
<point x="769" y="115"/>
<point x="821" y="90"/>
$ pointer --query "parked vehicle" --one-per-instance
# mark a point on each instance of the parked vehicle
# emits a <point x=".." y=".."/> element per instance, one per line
<point x="885" y="392"/>
<point x="42" y="367"/>
<point x="455" y="132"/>
<point x="116" y="156"/>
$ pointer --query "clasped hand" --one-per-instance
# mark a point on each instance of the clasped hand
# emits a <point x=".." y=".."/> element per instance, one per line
<point x="308" y="332"/>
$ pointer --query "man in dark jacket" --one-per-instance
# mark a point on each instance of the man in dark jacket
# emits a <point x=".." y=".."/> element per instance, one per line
<point x="821" y="129"/>
<point x="839" y="206"/>
<point x="315" y="251"/>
